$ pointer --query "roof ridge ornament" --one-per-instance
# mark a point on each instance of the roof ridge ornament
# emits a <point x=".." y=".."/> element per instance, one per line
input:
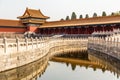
<point x="33" y="13"/>
<point x="33" y="16"/>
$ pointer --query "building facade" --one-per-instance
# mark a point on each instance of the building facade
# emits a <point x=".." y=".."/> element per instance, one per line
<point x="33" y="21"/>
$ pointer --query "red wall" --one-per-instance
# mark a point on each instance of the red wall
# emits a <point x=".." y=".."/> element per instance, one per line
<point x="32" y="29"/>
<point x="22" y="30"/>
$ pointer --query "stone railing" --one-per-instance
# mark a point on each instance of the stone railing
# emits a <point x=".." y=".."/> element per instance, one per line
<point x="18" y="52"/>
<point x="63" y="45"/>
<point x="108" y="45"/>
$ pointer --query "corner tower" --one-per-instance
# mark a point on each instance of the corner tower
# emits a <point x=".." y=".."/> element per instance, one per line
<point x="33" y="19"/>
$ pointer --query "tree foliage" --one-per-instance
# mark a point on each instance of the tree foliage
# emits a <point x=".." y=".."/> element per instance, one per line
<point x="73" y="16"/>
<point x="112" y="14"/>
<point x="62" y="19"/>
<point x="95" y="15"/>
<point x="115" y="13"/>
<point x="86" y="16"/>
<point x="104" y="13"/>
<point x="67" y="18"/>
<point x="80" y="16"/>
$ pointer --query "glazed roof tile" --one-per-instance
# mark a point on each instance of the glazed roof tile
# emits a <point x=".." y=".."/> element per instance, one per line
<point x="33" y="13"/>
<point x="77" y="22"/>
<point x="11" y="23"/>
<point x="84" y="21"/>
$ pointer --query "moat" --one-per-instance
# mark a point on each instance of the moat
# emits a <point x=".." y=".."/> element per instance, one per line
<point x="38" y="46"/>
<point x="83" y="65"/>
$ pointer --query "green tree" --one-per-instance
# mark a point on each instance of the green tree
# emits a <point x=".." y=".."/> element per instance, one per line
<point x="81" y="16"/>
<point x="73" y="16"/>
<point x="95" y="15"/>
<point x="112" y="14"/>
<point x="116" y="13"/>
<point x="104" y="13"/>
<point x="67" y="18"/>
<point x="62" y="19"/>
<point x="87" y="16"/>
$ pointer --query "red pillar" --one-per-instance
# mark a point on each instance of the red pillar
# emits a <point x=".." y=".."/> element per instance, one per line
<point x="50" y="31"/>
<point x="80" y="31"/>
<point x="59" y="30"/>
<point x="77" y="30"/>
<point x="65" y="30"/>
<point x="54" y="31"/>
<point x="71" y="31"/>
<point x="62" y="30"/>
<point x="86" y="30"/>
<point x="95" y="28"/>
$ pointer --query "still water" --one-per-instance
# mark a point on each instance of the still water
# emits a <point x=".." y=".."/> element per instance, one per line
<point x="72" y="66"/>
<point x="89" y="67"/>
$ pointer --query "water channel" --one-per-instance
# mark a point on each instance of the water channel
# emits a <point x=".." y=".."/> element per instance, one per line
<point x="83" y="65"/>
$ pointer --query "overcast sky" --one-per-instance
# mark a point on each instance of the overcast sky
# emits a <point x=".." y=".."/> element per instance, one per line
<point x="57" y="9"/>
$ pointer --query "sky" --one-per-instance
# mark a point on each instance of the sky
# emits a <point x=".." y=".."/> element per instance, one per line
<point x="57" y="9"/>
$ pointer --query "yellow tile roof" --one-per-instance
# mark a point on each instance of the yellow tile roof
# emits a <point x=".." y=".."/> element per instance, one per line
<point x="84" y="21"/>
<point x="77" y="22"/>
<point x="11" y="23"/>
<point x="33" y="13"/>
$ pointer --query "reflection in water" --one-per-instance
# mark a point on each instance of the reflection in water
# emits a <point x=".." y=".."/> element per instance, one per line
<point x="27" y="72"/>
<point x="71" y="66"/>
<point x="108" y="62"/>
<point x="90" y="59"/>
<point x="104" y="68"/>
<point x="83" y="54"/>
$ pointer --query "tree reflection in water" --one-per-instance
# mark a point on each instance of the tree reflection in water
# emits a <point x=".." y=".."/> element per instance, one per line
<point x="86" y="59"/>
<point x="89" y="59"/>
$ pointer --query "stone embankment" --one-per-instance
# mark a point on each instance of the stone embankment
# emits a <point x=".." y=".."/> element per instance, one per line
<point x="18" y="52"/>
<point x="108" y="45"/>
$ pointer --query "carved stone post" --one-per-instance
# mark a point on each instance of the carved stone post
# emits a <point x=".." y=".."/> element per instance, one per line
<point x="26" y="42"/>
<point x="36" y="42"/>
<point x="117" y="50"/>
<point x="5" y="44"/>
<point x="32" y="42"/>
<point x="17" y="41"/>
<point x="117" y="42"/>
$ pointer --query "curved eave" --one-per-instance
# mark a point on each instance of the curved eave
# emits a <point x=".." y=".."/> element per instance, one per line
<point x="82" y="24"/>
<point x="11" y="23"/>
<point x="84" y="21"/>
<point x="4" y="26"/>
<point x="24" y="17"/>
<point x="34" y="21"/>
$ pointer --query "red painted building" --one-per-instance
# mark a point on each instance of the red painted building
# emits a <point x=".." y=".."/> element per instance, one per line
<point x="34" y="21"/>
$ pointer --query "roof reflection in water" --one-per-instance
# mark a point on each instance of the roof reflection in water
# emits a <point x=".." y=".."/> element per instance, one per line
<point x="83" y="59"/>
<point x="90" y="60"/>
